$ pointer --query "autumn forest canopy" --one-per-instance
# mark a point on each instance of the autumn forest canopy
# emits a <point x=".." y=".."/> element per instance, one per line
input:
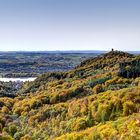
<point x="97" y="99"/>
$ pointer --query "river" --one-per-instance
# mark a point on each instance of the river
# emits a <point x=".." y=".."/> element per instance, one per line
<point x="17" y="79"/>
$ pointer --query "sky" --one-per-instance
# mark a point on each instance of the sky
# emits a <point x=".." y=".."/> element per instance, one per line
<point x="32" y="25"/>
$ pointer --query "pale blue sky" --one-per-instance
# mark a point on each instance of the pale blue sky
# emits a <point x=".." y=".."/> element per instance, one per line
<point x="69" y="25"/>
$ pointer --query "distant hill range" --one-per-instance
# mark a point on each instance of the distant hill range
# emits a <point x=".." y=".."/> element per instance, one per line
<point x="58" y="51"/>
<point x="68" y="51"/>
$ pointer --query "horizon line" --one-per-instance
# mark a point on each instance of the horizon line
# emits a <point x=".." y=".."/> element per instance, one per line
<point x="67" y="50"/>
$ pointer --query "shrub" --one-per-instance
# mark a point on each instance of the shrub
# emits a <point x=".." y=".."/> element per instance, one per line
<point x="103" y="113"/>
<point x="5" y="110"/>
<point x="26" y="137"/>
<point x="6" y="138"/>
<point x="80" y="124"/>
<point x="97" y="89"/>
<point x="94" y="82"/>
<point x="12" y="129"/>
<point x="128" y="108"/>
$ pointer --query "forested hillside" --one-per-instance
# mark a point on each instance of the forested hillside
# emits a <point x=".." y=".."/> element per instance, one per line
<point x="98" y="100"/>
<point x="9" y="89"/>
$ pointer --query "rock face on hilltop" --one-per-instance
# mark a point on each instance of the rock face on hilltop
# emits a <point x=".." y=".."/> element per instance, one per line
<point x="99" y="99"/>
